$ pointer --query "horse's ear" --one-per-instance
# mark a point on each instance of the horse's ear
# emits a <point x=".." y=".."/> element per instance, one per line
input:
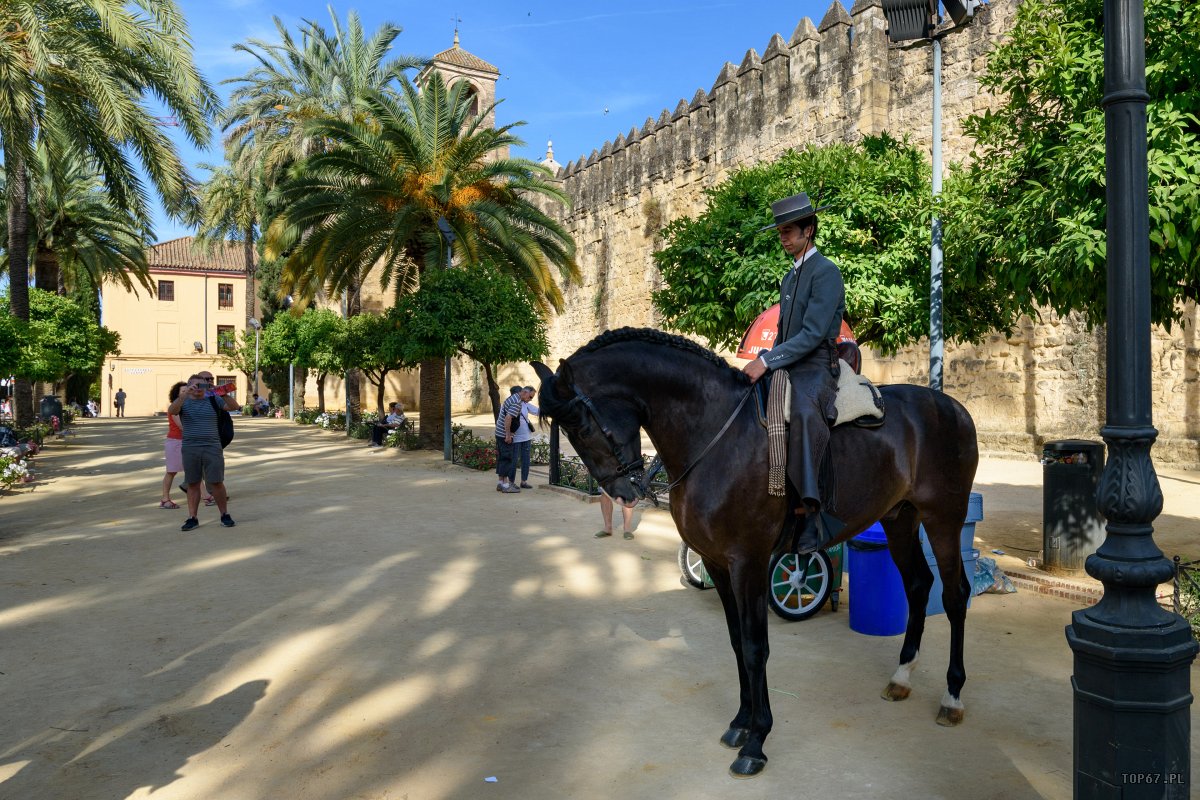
<point x="564" y="383"/>
<point x="543" y="372"/>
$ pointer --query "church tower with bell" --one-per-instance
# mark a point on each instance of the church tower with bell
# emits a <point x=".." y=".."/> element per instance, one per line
<point x="456" y="65"/>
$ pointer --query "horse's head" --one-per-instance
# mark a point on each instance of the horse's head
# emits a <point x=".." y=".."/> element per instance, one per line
<point x="603" y="429"/>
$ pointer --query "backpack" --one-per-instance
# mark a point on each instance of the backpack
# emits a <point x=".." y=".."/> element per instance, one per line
<point x="224" y="423"/>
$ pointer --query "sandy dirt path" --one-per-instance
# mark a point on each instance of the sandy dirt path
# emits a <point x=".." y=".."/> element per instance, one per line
<point x="382" y="625"/>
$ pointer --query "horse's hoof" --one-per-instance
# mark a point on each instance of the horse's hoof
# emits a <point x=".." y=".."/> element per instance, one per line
<point x="747" y="766"/>
<point x="734" y="738"/>
<point x="950" y="717"/>
<point x="896" y="691"/>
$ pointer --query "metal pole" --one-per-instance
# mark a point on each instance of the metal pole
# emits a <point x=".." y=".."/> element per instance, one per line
<point x="346" y="374"/>
<point x="291" y="391"/>
<point x="936" y="342"/>
<point x="1132" y="658"/>
<point x="256" y="334"/>
<point x="555" y="455"/>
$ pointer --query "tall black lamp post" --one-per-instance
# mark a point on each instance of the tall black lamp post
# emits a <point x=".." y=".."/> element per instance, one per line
<point x="1132" y="658"/>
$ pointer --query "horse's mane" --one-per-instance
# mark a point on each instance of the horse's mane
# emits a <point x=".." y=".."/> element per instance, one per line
<point x="652" y="336"/>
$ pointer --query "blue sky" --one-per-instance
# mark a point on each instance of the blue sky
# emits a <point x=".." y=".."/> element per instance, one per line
<point x="577" y="74"/>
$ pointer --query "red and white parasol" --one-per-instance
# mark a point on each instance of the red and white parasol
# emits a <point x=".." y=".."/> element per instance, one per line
<point x="762" y="332"/>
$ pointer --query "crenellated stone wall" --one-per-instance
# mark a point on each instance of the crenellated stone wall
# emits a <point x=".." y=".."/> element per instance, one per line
<point x="838" y="81"/>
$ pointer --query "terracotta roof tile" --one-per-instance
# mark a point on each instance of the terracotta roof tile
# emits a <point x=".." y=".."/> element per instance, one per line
<point x="458" y="57"/>
<point x="182" y="254"/>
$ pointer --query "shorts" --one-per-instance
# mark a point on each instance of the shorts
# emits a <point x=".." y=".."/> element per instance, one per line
<point x="173" y="450"/>
<point x="203" y="461"/>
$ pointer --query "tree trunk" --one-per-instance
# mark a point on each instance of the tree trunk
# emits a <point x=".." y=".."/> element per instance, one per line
<point x="46" y="273"/>
<point x="353" y="376"/>
<point x="433" y="389"/>
<point x="248" y="260"/>
<point x="18" y="269"/>
<point x="493" y="390"/>
<point x="320" y="392"/>
<point x="298" y="386"/>
<point x="380" y="390"/>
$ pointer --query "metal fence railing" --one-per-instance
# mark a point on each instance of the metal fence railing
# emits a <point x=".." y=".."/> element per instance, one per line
<point x="1186" y="597"/>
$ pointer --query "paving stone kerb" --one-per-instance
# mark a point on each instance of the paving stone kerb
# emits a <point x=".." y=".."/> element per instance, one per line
<point x="380" y="624"/>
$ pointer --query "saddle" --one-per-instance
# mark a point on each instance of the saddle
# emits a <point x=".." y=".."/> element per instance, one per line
<point x="858" y="400"/>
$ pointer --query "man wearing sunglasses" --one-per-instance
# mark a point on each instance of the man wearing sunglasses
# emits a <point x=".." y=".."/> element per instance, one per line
<point x="203" y="459"/>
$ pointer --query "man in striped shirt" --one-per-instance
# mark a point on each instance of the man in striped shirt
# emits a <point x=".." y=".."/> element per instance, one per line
<point x="506" y="423"/>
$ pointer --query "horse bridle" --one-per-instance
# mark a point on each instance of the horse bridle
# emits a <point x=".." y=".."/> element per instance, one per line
<point x="625" y="468"/>
<point x="637" y="469"/>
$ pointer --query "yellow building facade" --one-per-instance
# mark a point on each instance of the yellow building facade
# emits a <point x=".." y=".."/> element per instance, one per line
<point x="198" y="310"/>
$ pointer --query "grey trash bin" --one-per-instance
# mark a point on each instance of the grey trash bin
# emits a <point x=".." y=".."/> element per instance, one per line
<point x="1072" y="526"/>
<point x="51" y="407"/>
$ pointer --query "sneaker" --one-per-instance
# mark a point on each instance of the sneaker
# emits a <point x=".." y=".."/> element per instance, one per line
<point x="525" y="485"/>
<point x="227" y="521"/>
<point x="510" y="489"/>
<point x="499" y="487"/>
<point x="191" y="524"/>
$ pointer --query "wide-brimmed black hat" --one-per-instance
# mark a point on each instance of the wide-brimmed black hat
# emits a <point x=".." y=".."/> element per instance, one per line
<point x="792" y="209"/>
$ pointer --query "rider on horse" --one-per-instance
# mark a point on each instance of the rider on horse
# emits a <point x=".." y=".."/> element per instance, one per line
<point x="812" y="301"/>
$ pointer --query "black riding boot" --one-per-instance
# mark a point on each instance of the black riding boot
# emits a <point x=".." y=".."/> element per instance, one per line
<point x="819" y="528"/>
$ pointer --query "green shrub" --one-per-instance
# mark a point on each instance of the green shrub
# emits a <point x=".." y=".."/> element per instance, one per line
<point x="469" y="450"/>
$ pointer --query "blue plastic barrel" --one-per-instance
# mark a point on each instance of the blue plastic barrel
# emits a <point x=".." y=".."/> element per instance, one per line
<point x="878" y="606"/>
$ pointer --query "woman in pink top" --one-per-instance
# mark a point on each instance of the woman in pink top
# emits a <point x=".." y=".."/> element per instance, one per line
<point x="173" y="450"/>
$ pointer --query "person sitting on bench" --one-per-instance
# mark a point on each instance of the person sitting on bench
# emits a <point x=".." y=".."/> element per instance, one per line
<point x="395" y="419"/>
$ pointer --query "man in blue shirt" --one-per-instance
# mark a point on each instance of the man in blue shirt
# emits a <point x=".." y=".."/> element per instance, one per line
<point x="203" y="458"/>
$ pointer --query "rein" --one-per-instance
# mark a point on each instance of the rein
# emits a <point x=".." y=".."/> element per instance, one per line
<point x="636" y="469"/>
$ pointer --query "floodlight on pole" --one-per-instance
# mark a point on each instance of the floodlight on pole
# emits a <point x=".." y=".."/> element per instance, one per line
<point x="916" y="20"/>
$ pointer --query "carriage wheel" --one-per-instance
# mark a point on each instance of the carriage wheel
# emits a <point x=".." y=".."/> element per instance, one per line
<point x="691" y="565"/>
<point x="800" y="585"/>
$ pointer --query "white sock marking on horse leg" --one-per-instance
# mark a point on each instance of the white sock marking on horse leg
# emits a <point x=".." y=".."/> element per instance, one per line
<point x="950" y="701"/>
<point x="903" y="674"/>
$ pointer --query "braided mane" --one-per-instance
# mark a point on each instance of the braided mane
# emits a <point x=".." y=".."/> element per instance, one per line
<point x="652" y="336"/>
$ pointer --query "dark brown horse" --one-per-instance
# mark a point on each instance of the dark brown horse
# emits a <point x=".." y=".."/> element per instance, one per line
<point x="917" y="468"/>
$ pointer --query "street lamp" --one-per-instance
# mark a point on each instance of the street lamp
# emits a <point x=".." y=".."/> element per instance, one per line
<point x="257" y="331"/>
<point x="1133" y="658"/>
<point x="915" y="20"/>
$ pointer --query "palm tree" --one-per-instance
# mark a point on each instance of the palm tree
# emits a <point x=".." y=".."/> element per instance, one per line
<point x="323" y="74"/>
<point x="80" y="72"/>
<point x="228" y="212"/>
<point x="378" y="196"/>
<point x="79" y="238"/>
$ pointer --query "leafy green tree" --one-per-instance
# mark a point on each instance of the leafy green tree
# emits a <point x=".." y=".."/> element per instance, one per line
<point x="321" y="346"/>
<point x="82" y="72"/>
<point x="242" y="356"/>
<point x="63" y="339"/>
<point x="272" y="305"/>
<point x="477" y="311"/>
<point x="721" y="270"/>
<point x="1030" y="208"/>
<point x="376" y="197"/>
<point x="12" y="342"/>
<point x="375" y="344"/>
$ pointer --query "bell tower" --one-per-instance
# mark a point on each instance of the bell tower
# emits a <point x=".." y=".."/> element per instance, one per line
<point x="456" y="65"/>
